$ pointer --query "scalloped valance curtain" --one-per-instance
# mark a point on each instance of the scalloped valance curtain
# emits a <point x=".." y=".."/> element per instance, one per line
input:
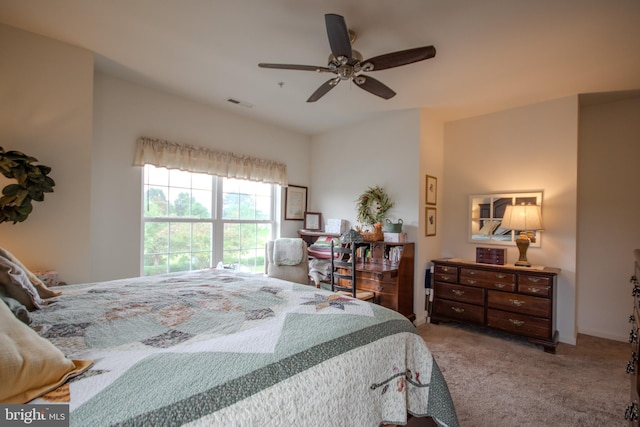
<point x="170" y="155"/>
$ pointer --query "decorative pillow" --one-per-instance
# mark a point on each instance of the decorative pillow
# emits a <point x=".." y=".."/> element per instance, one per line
<point x="42" y="289"/>
<point x="16" y="284"/>
<point x="31" y="365"/>
<point x="18" y="310"/>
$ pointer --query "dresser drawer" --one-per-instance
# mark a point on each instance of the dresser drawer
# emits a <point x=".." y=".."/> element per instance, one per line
<point x="367" y="284"/>
<point x="488" y="279"/>
<point x="460" y="293"/>
<point x="519" y="323"/>
<point x="525" y="304"/>
<point x="444" y="273"/>
<point x="534" y="285"/>
<point x="458" y="310"/>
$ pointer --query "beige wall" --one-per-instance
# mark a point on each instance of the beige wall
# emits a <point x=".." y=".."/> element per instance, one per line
<point x="46" y="91"/>
<point x="124" y="112"/>
<point x="528" y="148"/>
<point x="384" y="152"/>
<point x="608" y="215"/>
<point x="431" y="163"/>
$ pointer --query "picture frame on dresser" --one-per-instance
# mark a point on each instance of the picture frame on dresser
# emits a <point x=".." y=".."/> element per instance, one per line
<point x="312" y="221"/>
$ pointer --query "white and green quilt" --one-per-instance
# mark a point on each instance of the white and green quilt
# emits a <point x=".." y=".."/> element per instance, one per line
<point x="221" y="348"/>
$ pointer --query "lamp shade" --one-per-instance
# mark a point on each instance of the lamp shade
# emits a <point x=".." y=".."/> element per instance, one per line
<point x="522" y="217"/>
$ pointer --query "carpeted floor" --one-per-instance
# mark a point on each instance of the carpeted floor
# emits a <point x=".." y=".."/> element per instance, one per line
<point x="500" y="380"/>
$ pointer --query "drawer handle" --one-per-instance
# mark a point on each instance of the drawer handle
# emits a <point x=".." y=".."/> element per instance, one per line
<point x="458" y="309"/>
<point x="533" y="290"/>
<point x="499" y="285"/>
<point x="457" y="292"/>
<point x="500" y="275"/>
<point x="516" y="322"/>
<point x="380" y="276"/>
<point x="471" y="273"/>
<point x="516" y="302"/>
<point x="471" y="281"/>
<point x="445" y="268"/>
<point x="380" y="288"/>
<point x="534" y="279"/>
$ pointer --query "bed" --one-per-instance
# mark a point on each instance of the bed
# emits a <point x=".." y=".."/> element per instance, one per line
<point x="220" y="347"/>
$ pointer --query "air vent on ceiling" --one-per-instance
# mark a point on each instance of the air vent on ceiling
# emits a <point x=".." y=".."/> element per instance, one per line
<point x="237" y="102"/>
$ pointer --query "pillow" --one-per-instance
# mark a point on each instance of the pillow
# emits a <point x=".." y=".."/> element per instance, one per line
<point x="31" y="365"/>
<point x="488" y="227"/>
<point x="18" y="310"/>
<point x="16" y="285"/>
<point x="42" y="289"/>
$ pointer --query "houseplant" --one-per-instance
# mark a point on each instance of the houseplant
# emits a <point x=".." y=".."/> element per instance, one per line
<point x="31" y="184"/>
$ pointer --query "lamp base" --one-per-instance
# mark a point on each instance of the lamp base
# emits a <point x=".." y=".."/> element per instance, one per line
<point x="522" y="242"/>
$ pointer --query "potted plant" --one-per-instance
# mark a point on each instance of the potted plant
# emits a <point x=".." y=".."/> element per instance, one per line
<point x="31" y="184"/>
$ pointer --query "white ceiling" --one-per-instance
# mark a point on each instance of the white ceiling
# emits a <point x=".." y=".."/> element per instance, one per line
<point x="491" y="54"/>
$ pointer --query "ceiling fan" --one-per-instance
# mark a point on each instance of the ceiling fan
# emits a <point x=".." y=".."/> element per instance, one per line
<point x="347" y="63"/>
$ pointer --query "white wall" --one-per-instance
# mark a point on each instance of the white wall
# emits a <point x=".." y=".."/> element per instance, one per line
<point x="384" y="152"/>
<point x="46" y="91"/>
<point x="528" y="148"/>
<point x="125" y="111"/>
<point x="608" y="220"/>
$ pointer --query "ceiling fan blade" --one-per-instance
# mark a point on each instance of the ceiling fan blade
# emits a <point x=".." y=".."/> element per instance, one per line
<point x="294" y="67"/>
<point x="338" y="35"/>
<point x="322" y="90"/>
<point x="374" y="86"/>
<point x="402" y="57"/>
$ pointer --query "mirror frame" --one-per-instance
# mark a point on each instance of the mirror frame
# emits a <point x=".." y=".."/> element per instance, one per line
<point x="486" y="209"/>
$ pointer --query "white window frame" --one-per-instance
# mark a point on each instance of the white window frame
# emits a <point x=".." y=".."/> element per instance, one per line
<point x="216" y="220"/>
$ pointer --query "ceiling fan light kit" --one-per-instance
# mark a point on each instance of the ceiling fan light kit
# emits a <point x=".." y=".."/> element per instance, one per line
<point x="348" y="64"/>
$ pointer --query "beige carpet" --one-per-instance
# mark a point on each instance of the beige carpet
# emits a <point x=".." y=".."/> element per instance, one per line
<point x="500" y="380"/>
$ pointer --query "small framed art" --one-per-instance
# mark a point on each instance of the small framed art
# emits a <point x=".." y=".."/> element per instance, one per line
<point x="312" y="221"/>
<point x="431" y="190"/>
<point x="295" y="202"/>
<point x="430" y="221"/>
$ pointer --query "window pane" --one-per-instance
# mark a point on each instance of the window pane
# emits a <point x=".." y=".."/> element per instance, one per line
<point x="231" y="236"/>
<point x="179" y="262"/>
<point x="202" y="181"/>
<point x="155" y="201"/>
<point x="247" y="206"/>
<point x="201" y="204"/>
<point x="178" y="178"/>
<point x="202" y="237"/>
<point x="231" y="206"/>
<point x="263" y="207"/>
<point x="156" y="238"/>
<point x="155" y="264"/>
<point x="180" y="237"/>
<point x="156" y="176"/>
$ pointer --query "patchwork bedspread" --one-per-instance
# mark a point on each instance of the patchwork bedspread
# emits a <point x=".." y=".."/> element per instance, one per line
<point x="217" y="347"/>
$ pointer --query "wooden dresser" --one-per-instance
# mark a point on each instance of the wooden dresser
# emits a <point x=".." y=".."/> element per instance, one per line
<point x="514" y="299"/>
<point x="631" y="412"/>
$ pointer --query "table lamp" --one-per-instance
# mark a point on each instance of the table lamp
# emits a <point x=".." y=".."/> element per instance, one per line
<point x="526" y="219"/>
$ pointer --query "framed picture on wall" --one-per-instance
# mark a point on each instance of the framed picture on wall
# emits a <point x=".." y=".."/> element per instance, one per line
<point x="312" y="221"/>
<point x="431" y="190"/>
<point x="430" y="221"/>
<point x="295" y="202"/>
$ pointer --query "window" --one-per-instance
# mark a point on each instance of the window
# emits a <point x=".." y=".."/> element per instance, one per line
<point x="193" y="221"/>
